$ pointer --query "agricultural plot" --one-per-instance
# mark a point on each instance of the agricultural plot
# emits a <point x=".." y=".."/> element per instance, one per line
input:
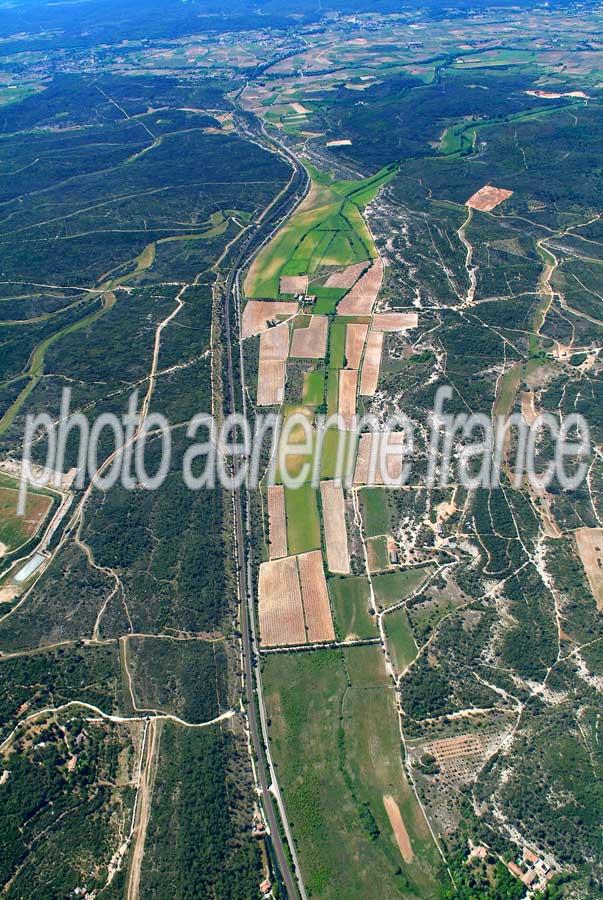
<point x="393" y="321"/>
<point x="371" y="364"/>
<point x="274" y="349"/>
<point x="360" y="300"/>
<point x="380" y="459"/>
<point x="15" y="530"/>
<point x="355" y="336"/>
<point x="336" y="539"/>
<point x="281" y="610"/>
<point x="311" y="342"/>
<point x="347" y="277"/>
<point x="394" y="587"/>
<point x="277" y="522"/>
<point x="293" y="284"/>
<point x="337" y="748"/>
<point x="400" y="641"/>
<point x="488" y="198"/>
<point x="303" y="522"/>
<point x="317" y="610"/>
<point x="259" y="314"/>
<point x="346" y="402"/>
<point x="350" y="599"/>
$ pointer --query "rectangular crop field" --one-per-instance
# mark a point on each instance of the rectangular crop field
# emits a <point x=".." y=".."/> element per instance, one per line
<point x="303" y="523"/>
<point x="393" y="587"/>
<point x="17" y="530"/>
<point x="277" y="521"/>
<point x="355" y="336"/>
<point x="315" y="597"/>
<point x="371" y="364"/>
<point x="336" y="538"/>
<point x="350" y="599"/>
<point x="281" y="610"/>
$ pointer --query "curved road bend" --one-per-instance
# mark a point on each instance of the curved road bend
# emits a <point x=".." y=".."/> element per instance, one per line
<point x="250" y="246"/>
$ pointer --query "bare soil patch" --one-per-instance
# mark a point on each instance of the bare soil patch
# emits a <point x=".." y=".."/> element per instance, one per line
<point x="355" y="336"/>
<point x="361" y="298"/>
<point x="348" y="277"/>
<point x="368" y="464"/>
<point x="293" y="284"/>
<point x="336" y="538"/>
<point x="258" y="313"/>
<point x="346" y="404"/>
<point x="311" y="342"/>
<point x="488" y="198"/>
<point x="393" y="321"/>
<point x="371" y="364"/>
<point x="274" y="349"/>
<point x="277" y="521"/>
<point x="400" y="833"/>
<point x="590" y="548"/>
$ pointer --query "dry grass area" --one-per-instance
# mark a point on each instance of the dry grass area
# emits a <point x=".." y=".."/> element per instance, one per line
<point x="590" y="548"/>
<point x="315" y="597"/>
<point x="368" y="466"/>
<point x="361" y="298"/>
<point x="528" y="410"/>
<point x="277" y="521"/>
<point x="336" y="538"/>
<point x="258" y="313"/>
<point x="347" y="277"/>
<point x="274" y="349"/>
<point x="311" y="342"/>
<point x="281" y="610"/>
<point x="355" y="336"/>
<point x="346" y="403"/>
<point x="488" y="198"/>
<point x="293" y="284"/>
<point x="371" y="364"/>
<point x="393" y="321"/>
<point x="399" y="828"/>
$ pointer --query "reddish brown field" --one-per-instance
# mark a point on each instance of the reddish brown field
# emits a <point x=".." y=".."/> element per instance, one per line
<point x="311" y="342"/>
<point x="336" y="538"/>
<point x="355" y="336"/>
<point x="371" y="364"/>
<point x="399" y="828"/>
<point x="361" y="299"/>
<point x="590" y="548"/>
<point x="346" y="404"/>
<point x="258" y="313"/>
<point x="347" y="277"/>
<point x="281" y="611"/>
<point x="369" y="448"/>
<point x="293" y="284"/>
<point x="392" y="321"/>
<point x="315" y="597"/>
<point x="488" y="198"/>
<point x="277" y="521"/>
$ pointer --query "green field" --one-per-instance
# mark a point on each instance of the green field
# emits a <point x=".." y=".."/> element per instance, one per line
<point x="392" y="587"/>
<point x="327" y="229"/>
<point x="336" y="745"/>
<point x="378" y="555"/>
<point x="350" y="602"/>
<point x="303" y="523"/>
<point x="375" y="511"/>
<point x="401" y="643"/>
<point x="314" y="388"/>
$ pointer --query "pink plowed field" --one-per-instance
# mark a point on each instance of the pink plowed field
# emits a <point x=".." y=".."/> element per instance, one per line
<point x="336" y="538"/>
<point x="393" y="321"/>
<point x="258" y="313"/>
<point x="315" y="597"/>
<point x="311" y="342"/>
<point x="293" y="284"/>
<point x="369" y="469"/>
<point x="274" y="348"/>
<point x="277" y="521"/>
<point x="347" y="277"/>
<point x="355" y="336"/>
<point x="346" y="406"/>
<point x="487" y="198"/>
<point x="371" y="364"/>
<point x="361" y="299"/>
<point x="281" y="608"/>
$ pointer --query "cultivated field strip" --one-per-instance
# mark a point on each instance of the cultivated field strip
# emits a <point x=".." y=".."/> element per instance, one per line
<point x="258" y="313"/>
<point x="274" y="349"/>
<point x="361" y="298"/>
<point x="315" y="597"/>
<point x="311" y="342"/>
<point x="393" y="321"/>
<point x="346" y="403"/>
<point x="336" y="538"/>
<point x="277" y="521"/>
<point x="281" y="608"/>
<point x="347" y="277"/>
<point x="371" y="364"/>
<point x="355" y="336"/>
